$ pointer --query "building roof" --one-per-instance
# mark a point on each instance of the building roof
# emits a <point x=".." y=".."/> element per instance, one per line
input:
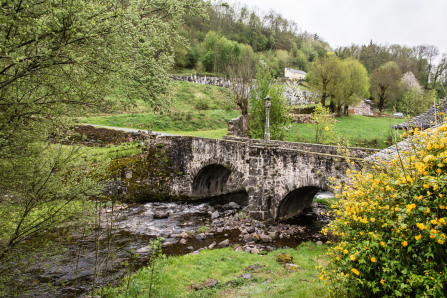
<point x="296" y="71"/>
<point x="426" y="119"/>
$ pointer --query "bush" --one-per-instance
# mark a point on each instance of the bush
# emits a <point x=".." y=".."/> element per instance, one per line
<point x="324" y="125"/>
<point x="391" y="225"/>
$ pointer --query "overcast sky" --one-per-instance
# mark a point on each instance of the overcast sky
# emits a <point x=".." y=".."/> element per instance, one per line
<point x="343" y="22"/>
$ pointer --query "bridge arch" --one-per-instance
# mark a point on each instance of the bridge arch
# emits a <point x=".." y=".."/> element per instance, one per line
<point x="295" y="201"/>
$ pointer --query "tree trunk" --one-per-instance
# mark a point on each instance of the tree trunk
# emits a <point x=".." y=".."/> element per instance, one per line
<point x="338" y="108"/>
<point x="245" y="118"/>
<point x="346" y="110"/>
<point x="381" y="103"/>
<point x="323" y="99"/>
<point x="332" y="106"/>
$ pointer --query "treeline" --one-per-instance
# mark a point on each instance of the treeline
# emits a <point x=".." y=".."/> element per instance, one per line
<point x="420" y="60"/>
<point x="222" y="31"/>
<point x="398" y="77"/>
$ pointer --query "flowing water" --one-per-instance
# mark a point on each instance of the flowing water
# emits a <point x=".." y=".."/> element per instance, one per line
<point x="110" y="256"/>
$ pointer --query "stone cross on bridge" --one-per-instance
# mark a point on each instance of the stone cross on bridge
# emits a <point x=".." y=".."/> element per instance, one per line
<point x="280" y="178"/>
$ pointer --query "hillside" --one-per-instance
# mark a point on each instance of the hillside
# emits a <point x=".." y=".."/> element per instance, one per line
<point x="193" y="107"/>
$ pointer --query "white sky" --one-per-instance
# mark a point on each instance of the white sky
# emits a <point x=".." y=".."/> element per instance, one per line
<point x="343" y="22"/>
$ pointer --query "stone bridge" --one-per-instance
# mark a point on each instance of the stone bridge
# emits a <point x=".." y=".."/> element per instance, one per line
<point x="280" y="178"/>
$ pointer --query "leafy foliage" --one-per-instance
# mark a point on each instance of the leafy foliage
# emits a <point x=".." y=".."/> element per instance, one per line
<point x="41" y="191"/>
<point x="324" y="125"/>
<point x="59" y="59"/>
<point x="279" y="110"/>
<point x="385" y="84"/>
<point x="392" y="226"/>
<point x="343" y="81"/>
<point x="414" y="102"/>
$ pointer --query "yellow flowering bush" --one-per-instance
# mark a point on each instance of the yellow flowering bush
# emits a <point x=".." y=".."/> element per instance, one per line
<point x="391" y="224"/>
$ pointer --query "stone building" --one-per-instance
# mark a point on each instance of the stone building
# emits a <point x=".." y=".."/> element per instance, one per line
<point x="364" y="108"/>
<point x="294" y="74"/>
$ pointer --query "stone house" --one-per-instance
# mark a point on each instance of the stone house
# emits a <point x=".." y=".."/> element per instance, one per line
<point x="296" y="74"/>
<point x="364" y="108"/>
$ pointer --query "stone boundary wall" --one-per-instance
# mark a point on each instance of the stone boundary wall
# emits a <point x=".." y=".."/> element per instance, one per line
<point x="213" y="81"/>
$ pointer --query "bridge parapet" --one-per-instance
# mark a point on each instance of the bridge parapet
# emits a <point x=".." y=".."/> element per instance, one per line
<point x="317" y="148"/>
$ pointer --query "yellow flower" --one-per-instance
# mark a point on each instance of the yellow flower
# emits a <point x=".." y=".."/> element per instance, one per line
<point x="326" y="128"/>
<point x="372" y="219"/>
<point x="382" y="281"/>
<point x="404" y="243"/>
<point x="440" y="241"/>
<point x="355" y="271"/>
<point x="352" y="258"/>
<point x="382" y="243"/>
<point x="373" y="259"/>
<point x="346" y="251"/>
<point x="418" y="237"/>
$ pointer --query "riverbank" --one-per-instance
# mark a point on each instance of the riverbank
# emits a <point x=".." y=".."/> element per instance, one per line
<point x="229" y="273"/>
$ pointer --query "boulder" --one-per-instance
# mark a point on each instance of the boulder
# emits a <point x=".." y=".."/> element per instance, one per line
<point x="284" y="258"/>
<point x="200" y="236"/>
<point x="210" y="282"/>
<point x="224" y="243"/>
<point x="246" y="276"/>
<point x="170" y="241"/>
<point x="233" y="205"/>
<point x="266" y="238"/>
<point x="212" y="245"/>
<point x="160" y="214"/>
<point x="215" y="215"/>
<point x="274" y="235"/>
<point x="251" y="229"/>
<point x="292" y="267"/>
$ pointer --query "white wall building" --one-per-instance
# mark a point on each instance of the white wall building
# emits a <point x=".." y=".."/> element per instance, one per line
<point x="294" y="74"/>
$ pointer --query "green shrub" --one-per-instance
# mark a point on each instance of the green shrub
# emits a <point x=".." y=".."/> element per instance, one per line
<point x="391" y="225"/>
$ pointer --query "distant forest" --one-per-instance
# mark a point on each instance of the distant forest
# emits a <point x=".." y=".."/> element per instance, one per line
<point x="225" y="30"/>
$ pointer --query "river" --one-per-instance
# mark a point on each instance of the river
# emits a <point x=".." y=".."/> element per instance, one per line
<point x="110" y="254"/>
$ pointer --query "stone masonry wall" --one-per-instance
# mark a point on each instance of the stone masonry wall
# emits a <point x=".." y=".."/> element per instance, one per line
<point x="267" y="172"/>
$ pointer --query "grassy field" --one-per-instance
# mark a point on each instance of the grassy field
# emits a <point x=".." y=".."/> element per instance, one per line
<point x="194" y="108"/>
<point x="358" y="130"/>
<point x="173" y="276"/>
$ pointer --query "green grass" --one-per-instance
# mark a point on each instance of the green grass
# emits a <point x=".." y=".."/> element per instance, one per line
<point x="174" y="275"/>
<point x="181" y="121"/>
<point x="194" y="107"/>
<point x="357" y="130"/>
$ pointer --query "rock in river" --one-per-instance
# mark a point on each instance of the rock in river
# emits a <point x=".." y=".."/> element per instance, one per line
<point x="160" y="214"/>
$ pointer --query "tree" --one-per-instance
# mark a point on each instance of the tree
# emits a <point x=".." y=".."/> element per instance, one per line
<point x="357" y="85"/>
<point x="324" y="74"/>
<point x="385" y="83"/>
<point x="414" y="102"/>
<point x="59" y="59"/>
<point x="439" y="76"/>
<point x="279" y="110"/>
<point x="240" y="72"/>
<point x="56" y="55"/>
